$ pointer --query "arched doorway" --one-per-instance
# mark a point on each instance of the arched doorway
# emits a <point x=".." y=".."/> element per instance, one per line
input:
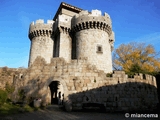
<point x="57" y="94"/>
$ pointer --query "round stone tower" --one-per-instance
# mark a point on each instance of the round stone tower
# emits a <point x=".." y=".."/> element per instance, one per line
<point x="94" y="38"/>
<point x="41" y="40"/>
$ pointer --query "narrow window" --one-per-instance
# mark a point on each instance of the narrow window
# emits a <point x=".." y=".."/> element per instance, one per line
<point x="99" y="49"/>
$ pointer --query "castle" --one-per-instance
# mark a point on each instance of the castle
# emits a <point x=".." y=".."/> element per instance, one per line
<point x="73" y="34"/>
<point x="70" y="64"/>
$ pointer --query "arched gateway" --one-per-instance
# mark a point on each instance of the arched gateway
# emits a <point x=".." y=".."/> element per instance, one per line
<point x="57" y="91"/>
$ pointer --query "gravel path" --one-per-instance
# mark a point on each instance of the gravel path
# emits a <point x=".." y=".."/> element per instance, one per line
<point x="53" y="112"/>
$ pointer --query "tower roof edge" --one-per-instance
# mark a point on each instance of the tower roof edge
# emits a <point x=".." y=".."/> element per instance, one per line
<point x="68" y="7"/>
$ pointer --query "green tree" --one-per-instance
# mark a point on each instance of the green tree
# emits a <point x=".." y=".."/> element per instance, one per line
<point x="136" y="57"/>
<point x="3" y="96"/>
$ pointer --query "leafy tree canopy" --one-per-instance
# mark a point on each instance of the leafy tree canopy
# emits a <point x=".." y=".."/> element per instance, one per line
<point x="136" y="58"/>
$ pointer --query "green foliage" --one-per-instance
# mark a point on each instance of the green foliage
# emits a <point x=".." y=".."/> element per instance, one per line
<point x="109" y="75"/>
<point x="21" y="94"/>
<point x="8" y="109"/>
<point x="9" y="88"/>
<point x="135" y="68"/>
<point x="3" y="97"/>
<point x="27" y="108"/>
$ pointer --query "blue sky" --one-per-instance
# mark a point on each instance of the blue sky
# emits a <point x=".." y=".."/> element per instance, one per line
<point x="132" y="20"/>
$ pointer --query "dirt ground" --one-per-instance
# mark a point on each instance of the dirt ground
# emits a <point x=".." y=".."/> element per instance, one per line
<point x="53" y="112"/>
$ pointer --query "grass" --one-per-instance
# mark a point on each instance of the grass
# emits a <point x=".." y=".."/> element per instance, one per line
<point x="9" y="108"/>
<point x="27" y="108"/>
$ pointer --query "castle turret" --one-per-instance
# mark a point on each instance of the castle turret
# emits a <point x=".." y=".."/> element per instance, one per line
<point x="94" y="38"/>
<point x="41" y="41"/>
<point x="62" y="27"/>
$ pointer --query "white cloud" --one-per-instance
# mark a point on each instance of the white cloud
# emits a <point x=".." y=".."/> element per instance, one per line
<point x="153" y="39"/>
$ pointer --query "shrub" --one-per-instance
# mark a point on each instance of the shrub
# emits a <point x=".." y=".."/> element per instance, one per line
<point x="21" y="94"/>
<point x="3" y="96"/>
<point x="109" y="75"/>
<point x="9" y="88"/>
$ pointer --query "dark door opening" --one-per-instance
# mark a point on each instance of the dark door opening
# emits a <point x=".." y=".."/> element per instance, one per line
<point x="54" y="88"/>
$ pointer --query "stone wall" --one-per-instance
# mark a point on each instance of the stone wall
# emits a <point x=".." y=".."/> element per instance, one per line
<point x="120" y="93"/>
<point x="6" y="76"/>
<point x="14" y="78"/>
<point x="83" y="83"/>
<point x="65" y="44"/>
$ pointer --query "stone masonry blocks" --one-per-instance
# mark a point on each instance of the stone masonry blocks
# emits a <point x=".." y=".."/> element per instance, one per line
<point x="75" y="49"/>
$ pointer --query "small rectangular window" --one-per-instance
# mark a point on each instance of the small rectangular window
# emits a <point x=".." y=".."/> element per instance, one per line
<point x="99" y="49"/>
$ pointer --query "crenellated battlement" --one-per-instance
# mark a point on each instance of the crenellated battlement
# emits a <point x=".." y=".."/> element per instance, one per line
<point x="63" y="21"/>
<point x="94" y="13"/>
<point x="62" y="24"/>
<point x="92" y="20"/>
<point x="122" y="77"/>
<point x="39" y="28"/>
<point x="41" y="22"/>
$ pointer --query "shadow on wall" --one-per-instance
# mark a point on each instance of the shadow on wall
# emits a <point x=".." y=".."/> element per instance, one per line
<point x="32" y="90"/>
<point x="130" y="96"/>
<point x="56" y="92"/>
<point x="36" y="89"/>
<point x="158" y="87"/>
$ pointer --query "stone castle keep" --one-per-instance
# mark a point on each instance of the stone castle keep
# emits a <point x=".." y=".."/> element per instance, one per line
<point x="74" y="34"/>
<point x="70" y="64"/>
